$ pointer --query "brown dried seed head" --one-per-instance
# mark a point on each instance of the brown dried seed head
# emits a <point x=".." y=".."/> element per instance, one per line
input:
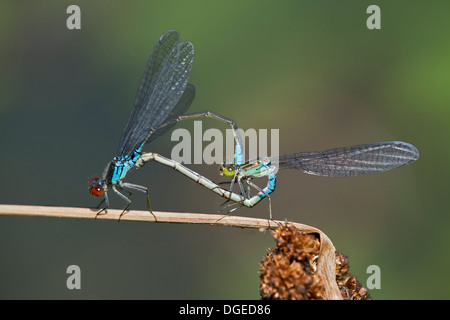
<point x="286" y="271"/>
<point x="349" y="286"/>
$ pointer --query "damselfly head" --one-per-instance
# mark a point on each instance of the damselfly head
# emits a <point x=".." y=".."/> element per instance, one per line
<point x="96" y="187"/>
<point x="227" y="170"/>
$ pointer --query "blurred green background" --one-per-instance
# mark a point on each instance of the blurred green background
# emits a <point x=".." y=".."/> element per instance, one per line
<point x="311" y="69"/>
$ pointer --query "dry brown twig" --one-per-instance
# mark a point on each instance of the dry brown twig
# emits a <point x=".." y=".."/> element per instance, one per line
<point x="325" y="266"/>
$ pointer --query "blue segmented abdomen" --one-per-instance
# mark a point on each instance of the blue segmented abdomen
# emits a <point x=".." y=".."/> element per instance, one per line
<point x="239" y="157"/>
<point x="270" y="186"/>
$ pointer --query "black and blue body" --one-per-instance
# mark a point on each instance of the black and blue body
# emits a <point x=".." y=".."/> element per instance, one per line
<point x="164" y="94"/>
<point x="119" y="166"/>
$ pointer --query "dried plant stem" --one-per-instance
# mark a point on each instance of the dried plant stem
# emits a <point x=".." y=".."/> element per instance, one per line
<point x="327" y="258"/>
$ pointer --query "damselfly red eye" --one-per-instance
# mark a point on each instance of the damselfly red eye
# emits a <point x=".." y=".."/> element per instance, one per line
<point x="95" y="187"/>
<point x="96" y="191"/>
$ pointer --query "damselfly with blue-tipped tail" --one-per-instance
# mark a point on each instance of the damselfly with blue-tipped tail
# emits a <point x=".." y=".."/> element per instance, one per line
<point x="163" y="96"/>
<point x="341" y="162"/>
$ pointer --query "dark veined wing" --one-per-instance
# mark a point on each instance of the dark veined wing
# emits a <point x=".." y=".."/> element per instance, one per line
<point x="183" y="104"/>
<point x="161" y="88"/>
<point x="352" y="161"/>
<point x="155" y="63"/>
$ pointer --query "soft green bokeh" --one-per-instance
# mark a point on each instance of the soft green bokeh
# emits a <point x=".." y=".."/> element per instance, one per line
<point x="309" y="68"/>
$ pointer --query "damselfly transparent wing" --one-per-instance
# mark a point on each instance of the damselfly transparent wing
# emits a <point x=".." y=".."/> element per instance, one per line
<point x="352" y="161"/>
<point x="155" y="63"/>
<point x="161" y="88"/>
<point x="183" y="104"/>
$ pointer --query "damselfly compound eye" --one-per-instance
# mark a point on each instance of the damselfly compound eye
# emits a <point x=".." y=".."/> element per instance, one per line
<point x="227" y="170"/>
<point x="96" y="191"/>
<point x="95" y="187"/>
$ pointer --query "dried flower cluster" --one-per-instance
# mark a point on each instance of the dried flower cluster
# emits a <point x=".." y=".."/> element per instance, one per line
<point x="348" y="285"/>
<point x="288" y="270"/>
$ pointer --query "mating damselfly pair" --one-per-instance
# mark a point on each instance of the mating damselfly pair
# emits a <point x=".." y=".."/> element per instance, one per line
<point x="164" y="95"/>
